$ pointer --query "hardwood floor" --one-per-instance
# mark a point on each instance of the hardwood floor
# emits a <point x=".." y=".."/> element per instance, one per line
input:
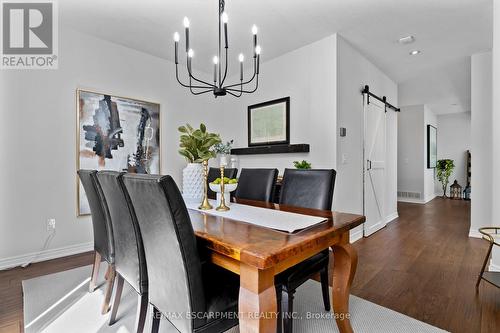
<point x="423" y="265"/>
<point x="11" y="293"/>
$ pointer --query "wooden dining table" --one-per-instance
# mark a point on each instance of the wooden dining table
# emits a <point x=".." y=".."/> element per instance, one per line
<point x="258" y="253"/>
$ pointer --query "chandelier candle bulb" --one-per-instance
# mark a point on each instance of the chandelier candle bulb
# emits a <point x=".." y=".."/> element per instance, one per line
<point x="190" y="56"/>
<point x="254" y="32"/>
<point x="176" y="41"/>
<point x="224" y="20"/>
<point x="216" y="61"/>
<point x="186" y="25"/>
<point x="241" y="58"/>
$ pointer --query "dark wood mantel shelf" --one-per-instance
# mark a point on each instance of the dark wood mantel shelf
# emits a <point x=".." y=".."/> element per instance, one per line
<point x="272" y="149"/>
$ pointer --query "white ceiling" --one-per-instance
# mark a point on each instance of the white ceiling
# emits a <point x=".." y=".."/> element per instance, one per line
<point x="444" y="89"/>
<point x="447" y="31"/>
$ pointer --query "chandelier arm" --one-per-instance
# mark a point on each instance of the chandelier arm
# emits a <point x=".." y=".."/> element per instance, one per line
<point x="247" y="91"/>
<point x="233" y="94"/>
<point x="246" y="82"/>
<point x="239" y="91"/>
<point x="198" y="92"/>
<point x="198" y="80"/>
<point x="185" y="85"/>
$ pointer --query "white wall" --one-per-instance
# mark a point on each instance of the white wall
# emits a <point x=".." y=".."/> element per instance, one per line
<point x="481" y="141"/>
<point x="413" y="174"/>
<point x="411" y="156"/>
<point x="307" y="75"/>
<point x="39" y="123"/>
<point x="354" y="71"/>
<point x="429" y="174"/>
<point x="454" y="138"/>
<point x="38" y="178"/>
<point x="496" y="123"/>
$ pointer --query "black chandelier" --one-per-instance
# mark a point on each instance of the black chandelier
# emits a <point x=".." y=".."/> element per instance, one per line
<point x="217" y="87"/>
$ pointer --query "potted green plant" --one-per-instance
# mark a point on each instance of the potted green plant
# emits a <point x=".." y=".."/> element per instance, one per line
<point x="196" y="147"/>
<point x="444" y="168"/>
<point x="304" y="165"/>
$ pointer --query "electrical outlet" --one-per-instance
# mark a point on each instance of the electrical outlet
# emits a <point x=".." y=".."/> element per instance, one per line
<point x="51" y="224"/>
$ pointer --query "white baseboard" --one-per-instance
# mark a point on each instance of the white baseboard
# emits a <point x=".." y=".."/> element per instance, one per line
<point x="493" y="267"/>
<point x="356" y="235"/>
<point x="391" y="217"/>
<point x="475" y="233"/>
<point x="429" y="198"/>
<point x="417" y="201"/>
<point x="374" y="228"/>
<point x="49" y="254"/>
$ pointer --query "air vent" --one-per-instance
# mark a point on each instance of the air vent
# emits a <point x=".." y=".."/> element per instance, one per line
<point x="409" y="195"/>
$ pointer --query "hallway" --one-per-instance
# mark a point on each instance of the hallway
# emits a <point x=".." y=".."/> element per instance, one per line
<point x="425" y="266"/>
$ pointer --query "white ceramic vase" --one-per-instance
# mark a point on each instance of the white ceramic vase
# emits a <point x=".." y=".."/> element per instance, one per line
<point x="192" y="182"/>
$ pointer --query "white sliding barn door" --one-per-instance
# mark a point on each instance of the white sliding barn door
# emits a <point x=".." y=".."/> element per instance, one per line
<point x="374" y="169"/>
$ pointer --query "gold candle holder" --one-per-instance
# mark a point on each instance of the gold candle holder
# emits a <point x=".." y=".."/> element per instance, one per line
<point x="205" y="204"/>
<point x="222" y="205"/>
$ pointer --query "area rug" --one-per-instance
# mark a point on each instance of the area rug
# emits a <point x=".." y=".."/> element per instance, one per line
<point x="61" y="302"/>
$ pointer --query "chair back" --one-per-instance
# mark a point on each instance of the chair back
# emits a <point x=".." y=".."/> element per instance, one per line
<point x="103" y="231"/>
<point x="173" y="263"/>
<point x="130" y="261"/>
<point x="256" y="184"/>
<point x="308" y="188"/>
<point x="214" y="173"/>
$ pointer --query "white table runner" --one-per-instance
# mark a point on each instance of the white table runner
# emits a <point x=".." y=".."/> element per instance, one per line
<point x="264" y="217"/>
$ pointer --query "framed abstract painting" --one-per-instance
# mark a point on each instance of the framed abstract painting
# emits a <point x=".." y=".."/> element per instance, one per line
<point x="269" y="123"/>
<point x="115" y="133"/>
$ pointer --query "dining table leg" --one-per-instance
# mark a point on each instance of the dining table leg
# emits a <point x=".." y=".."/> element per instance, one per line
<point x="345" y="260"/>
<point x="257" y="300"/>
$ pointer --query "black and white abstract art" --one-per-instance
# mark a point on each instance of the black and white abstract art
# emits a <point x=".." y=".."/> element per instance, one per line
<point x="116" y="133"/>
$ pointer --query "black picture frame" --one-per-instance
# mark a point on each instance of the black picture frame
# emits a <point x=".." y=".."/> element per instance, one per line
<point x="431" y="153"/>
<point x="252" y="142"/>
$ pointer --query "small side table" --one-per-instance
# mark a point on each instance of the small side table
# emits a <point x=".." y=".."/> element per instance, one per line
<point x="489" y="234"/>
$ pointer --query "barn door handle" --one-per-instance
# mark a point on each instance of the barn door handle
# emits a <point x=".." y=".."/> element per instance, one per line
<point x="368" y="165"/>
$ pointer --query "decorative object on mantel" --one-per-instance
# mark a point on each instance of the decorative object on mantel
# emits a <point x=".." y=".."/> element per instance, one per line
<point x="444" y="169"/>
<point x="115" y="133"/>
<point x="431" y="147"/>
<point x="274" y="149"/>
<point x="195" y="146"/>
<point x="456" y="191"/>
<point x="302" y="165"/>
<point x="218" y="88"/>
<point x="269" y="123"/>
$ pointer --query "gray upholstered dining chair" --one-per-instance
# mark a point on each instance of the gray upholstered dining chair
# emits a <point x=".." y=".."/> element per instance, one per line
<point x="178" y="281"/>
<point x="256" y="184"/>
<point x="214" y="173"/>
<point x="130" y="262"/>
<point x="103" y="234"/>
<point x="309" y="189"/>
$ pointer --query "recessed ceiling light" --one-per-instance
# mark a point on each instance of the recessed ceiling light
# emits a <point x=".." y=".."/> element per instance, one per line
<point x="406" y="40"/>
<point x="415" y="52"/>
